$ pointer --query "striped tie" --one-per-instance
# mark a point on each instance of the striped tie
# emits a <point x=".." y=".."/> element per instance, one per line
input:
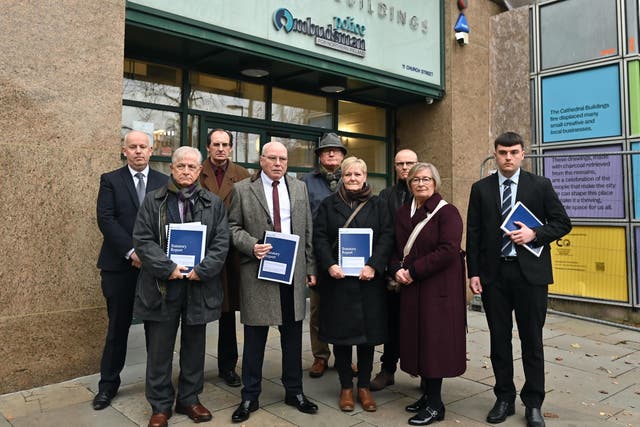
<point x="507" y="244"/>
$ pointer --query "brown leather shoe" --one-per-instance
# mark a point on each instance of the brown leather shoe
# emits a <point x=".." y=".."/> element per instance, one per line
<point x="366" y="400"/>
<point x="346" y="399"/>
<point x="197" y="412"/>
<point x="159" y="420"/>
<point x="318" y="367"/>
<point x="382" y="380"/>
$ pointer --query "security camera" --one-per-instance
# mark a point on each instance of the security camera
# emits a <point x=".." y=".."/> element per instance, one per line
<point x="428" y="100"/>
<point x="462" y="38"/>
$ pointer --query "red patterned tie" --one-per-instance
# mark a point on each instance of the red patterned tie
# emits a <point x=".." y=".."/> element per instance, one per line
<point x="276" y="206"/>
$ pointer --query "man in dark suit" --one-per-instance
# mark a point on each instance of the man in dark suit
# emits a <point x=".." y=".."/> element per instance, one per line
<point x="511" y="278"/>
<point x="219" y="174"/>
<point x="271" y="200"/>
<point x="120" y="195"/>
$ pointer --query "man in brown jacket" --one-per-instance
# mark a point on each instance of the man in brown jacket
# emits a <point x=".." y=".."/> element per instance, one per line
<point x="218" y="175"/>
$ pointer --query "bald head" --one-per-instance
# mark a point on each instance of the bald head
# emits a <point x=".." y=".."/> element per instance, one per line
<point x="404" y="161"/>
<point x="273" y="160"/>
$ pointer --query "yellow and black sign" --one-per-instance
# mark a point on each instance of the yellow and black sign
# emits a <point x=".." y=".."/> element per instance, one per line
<point x="591" y="262"/>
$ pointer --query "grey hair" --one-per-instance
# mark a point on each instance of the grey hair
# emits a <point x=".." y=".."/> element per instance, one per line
<point x="421" y="166"/>
<point x="180" y="152"/>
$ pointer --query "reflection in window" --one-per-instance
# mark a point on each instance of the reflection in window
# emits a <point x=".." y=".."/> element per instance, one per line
<point x="300" y="151"/>
<point x="360" y="118"/>
<point x="192" y="131"/>
<point x="632" y="25"/>
<point x="153" y="83"/>
<point x="374" y="153"/>
<point x="299" y="108"/>
<point x="574" y="31"/>
<point x="163" y="125"/>
<point x="226" y="96"/>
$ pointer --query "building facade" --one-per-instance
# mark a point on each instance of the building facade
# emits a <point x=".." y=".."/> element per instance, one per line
<point x="384" y="75"/>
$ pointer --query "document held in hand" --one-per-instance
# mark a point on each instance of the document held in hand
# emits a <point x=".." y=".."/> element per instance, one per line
<point x="354" y="249"/>
<point x="521" y="213"/>
<point x="185" y="243"/>
<point x="280" y="263"/>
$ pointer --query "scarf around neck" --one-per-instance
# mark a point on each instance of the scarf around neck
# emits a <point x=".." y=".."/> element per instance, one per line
<point x="184" y="194"/>
<point x="353" y="198"/>
<point x="332" y="178"/>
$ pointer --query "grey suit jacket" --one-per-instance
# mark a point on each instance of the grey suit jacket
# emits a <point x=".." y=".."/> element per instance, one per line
<point x="248" y="220"/>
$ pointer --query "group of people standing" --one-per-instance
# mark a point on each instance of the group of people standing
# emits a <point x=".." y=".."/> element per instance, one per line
<point x="410" y="295"/>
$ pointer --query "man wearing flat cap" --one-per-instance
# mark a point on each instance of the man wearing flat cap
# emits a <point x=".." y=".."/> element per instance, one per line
<point x="321" y="183"/>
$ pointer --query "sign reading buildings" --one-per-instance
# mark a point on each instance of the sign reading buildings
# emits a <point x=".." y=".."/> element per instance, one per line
<point x="401" y="38"/>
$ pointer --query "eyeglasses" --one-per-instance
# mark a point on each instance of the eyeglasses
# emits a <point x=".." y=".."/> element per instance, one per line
<point x="403" y="164"/>
<point x="273" y="159"/>
<point x="423" y="180"/>
<point x="220" y="144"/>
<point x="182" y="166"/>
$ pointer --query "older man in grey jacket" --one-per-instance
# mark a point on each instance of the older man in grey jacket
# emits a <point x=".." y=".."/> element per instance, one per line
<point x="270" y="200"/>
<point x="169" y="294"/>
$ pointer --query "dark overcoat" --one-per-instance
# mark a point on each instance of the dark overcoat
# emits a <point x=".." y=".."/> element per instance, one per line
<point x="352" y="311"/>
<point x="231" y="270"/>
<point x="204" y="297"/>
<point x="432" y="308"/>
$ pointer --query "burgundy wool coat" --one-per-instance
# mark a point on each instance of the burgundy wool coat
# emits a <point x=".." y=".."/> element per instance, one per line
<point x="433" y="307"/>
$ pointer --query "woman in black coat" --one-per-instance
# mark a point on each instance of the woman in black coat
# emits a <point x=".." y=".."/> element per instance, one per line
<point x="353" y="309"/>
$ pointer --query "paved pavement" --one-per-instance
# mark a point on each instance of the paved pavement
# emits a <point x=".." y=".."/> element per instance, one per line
<point x="593" y="379"/>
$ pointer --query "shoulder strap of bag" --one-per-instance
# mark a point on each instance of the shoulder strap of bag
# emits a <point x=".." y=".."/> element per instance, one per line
<point x="418" y="228"/>
<point x="354" y="213"/>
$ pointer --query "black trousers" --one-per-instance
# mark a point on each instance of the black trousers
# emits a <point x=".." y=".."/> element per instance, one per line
<point x="161" y="338"/>
<point x="255" y="339"/>
<point x="342" y="353"/>
<point x="512" y="293"/>
<point x="227" y="342"/>
<point x="391" y="351"/>
<point x="118" y="288"/>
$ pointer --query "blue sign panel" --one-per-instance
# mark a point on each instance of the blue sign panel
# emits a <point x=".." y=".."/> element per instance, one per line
<point x="581" y="105"/>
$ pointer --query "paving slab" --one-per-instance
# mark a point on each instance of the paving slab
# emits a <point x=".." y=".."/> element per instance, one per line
<point x="42" y="399"/>
<point x="77" y="415"/>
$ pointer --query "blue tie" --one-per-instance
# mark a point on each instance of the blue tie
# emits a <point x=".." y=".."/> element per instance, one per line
<point x="507" y="244"/>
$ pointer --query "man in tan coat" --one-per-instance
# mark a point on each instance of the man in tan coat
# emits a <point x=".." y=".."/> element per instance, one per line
<point x="219" y="174"/>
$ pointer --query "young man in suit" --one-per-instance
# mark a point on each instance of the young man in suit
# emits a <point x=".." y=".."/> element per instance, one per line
<point x="271" y="200"/>
<point x="509" y="277"/>
<point x="219" y="174"/>
<point x="120" y="195"/>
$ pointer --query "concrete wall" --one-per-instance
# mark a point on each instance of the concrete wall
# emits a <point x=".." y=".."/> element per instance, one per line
<point x="455" y="134"/>
<point x="60" y="92"/>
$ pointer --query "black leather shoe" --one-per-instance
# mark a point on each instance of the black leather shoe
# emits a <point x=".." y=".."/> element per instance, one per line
<point x="301" y="403"/>
<point x="418" y="405"/>
<point x="500" y="411"/>
<point x="103" y="399"/>
<point x="243" y="411"/>
<point x="231" y="378"/>
<point x="427" y="416"/>
<point x="534" y="417"/>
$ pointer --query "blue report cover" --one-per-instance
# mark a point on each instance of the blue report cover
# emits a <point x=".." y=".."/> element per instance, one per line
<point x="280" y="263"/>
<point x="354" y="249"/>
<point x="185" y="244"/>
<point x="521" y="213"/>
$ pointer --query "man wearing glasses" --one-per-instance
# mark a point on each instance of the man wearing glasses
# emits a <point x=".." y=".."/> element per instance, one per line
<point x="271" y="200"/>
<point x="219" y="174"/>
<point x="394" y="196"/>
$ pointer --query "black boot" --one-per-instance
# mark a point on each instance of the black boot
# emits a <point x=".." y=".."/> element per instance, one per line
<point x="427" y="416"/>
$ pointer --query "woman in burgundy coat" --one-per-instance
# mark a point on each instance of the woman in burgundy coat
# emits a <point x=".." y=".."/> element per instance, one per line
<point x="432" y="292"/>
